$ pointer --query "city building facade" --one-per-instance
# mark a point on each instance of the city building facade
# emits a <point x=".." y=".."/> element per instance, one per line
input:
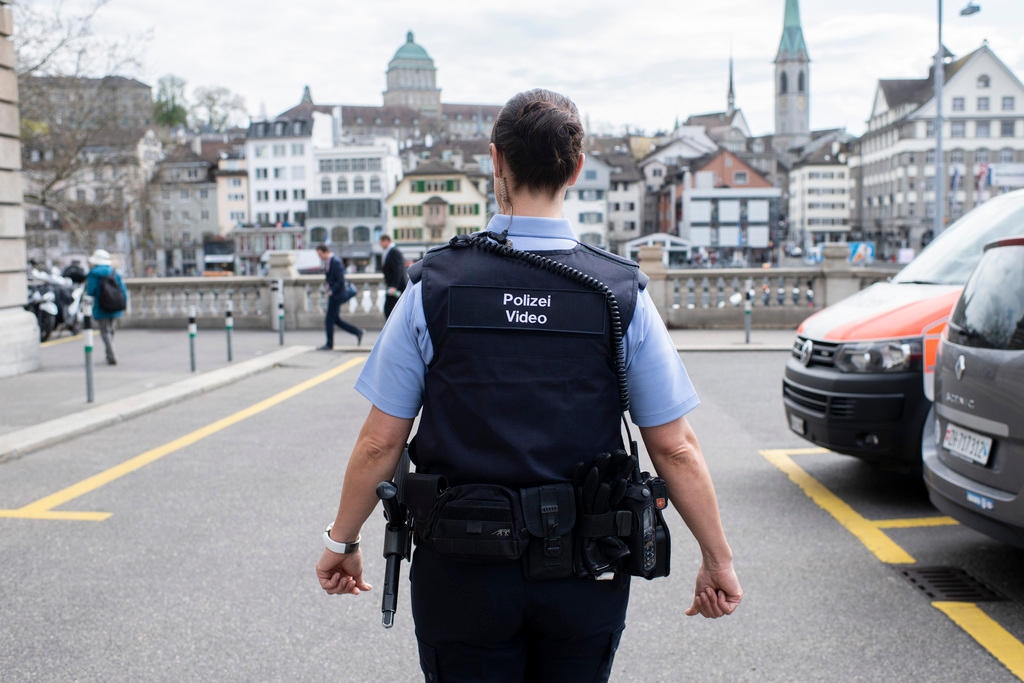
<point x="182" y="214"/>
<point x="586" y="202"/>
<point x="983" y="149"/>
<point x="431" y="204"/>
<point x="346" y="197"/>
<point x="819" y="197"/>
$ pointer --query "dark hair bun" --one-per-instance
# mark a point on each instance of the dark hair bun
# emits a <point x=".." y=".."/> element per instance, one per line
<point x="540" y="134"/>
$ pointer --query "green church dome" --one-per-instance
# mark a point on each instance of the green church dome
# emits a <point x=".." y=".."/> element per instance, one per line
<point x="411" y="51"/>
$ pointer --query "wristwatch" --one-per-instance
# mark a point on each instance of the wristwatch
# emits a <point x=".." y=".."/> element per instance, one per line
<point x="337" y="547"/>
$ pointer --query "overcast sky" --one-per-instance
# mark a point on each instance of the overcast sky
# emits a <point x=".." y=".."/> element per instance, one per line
<point x="639" y="62"/>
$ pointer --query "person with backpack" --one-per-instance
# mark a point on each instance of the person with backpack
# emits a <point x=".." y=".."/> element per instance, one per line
<point x="109" y="298"/>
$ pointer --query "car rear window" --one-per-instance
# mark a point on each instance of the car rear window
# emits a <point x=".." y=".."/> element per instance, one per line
<point x="950" y="259"/>
<point x="990" y="312"/>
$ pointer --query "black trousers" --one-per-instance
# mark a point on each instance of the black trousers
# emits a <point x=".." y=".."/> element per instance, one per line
<point x="389" y="305"/>
<point x="332" y="319"/>
<point x="485" y="622"/>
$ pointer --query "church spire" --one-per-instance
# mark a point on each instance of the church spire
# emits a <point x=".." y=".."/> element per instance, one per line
<point x="792" y="43"/>
<point x="732" y="92"/>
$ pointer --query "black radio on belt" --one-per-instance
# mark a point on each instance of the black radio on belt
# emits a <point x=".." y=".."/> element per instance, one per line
<point x="649" y="542"/>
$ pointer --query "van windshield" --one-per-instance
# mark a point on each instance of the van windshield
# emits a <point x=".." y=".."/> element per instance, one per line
<point x="950" y="259"/>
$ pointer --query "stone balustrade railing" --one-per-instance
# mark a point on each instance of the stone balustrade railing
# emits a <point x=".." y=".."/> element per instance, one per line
<point x="686" y="298"/>
<point x="165" y="302"/>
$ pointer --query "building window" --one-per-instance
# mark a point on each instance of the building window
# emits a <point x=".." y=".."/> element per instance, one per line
<point x="339" y="233"/>
<point x="298" y="194"/>
<point x="279" y="171"/>
<point x="261" y="173"/>
<point x="325" y="186"/>
<point x="298" y="149"/>
<point x="237" y="216"/>
<point x="1006" y="156"/>
<point x="929" y="129"/>
<point x="204" y="215"/>
<point x="1008" y="103"/>
<point x="783" y="84"/>
<point x="259" y="151"/>
<point x="591" y="217"/>
<point x="203" y="194"/>
<point x="740" y="178"/>
<point x="982" y="104"/>
<point x="956" y="129"/>
<point x="1006" y="129"/>
<point x="358" y="185"/>
<point x="984" y="81"/>
<point x="800" y="82"/>
<point x="981" y="129"/>
<point x="262" y="218"/>
<point x="280" y="195"/>
<point x="374" y="183"/>
<point x="262" y="195"/>
<point x="184" y="194"/>
<point x="318" y="235"/>
<point x="280" y="149"/>
<point x="958" y="104"/>
<point x="236" y="182"/>
<point x="981" y="156"/>
<point x="929" y="157"/>
<point x="957" y="156"/>
<point x="590" y="175"/>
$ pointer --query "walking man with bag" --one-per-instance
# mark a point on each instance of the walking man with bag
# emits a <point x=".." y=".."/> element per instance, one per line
<point x="338" y="292"/>
<point x="393" y="269"/>
<point x="109" y="298"/>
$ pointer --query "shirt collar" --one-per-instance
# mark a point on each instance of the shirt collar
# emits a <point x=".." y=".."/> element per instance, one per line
<point x="533" y="227"/>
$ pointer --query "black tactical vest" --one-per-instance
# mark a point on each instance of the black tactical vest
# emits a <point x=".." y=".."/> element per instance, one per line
<point x="522" y="384"/>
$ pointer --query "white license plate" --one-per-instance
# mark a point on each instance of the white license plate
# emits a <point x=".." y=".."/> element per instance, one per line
<point x="967" y="444"/>
<point x="797" y="425"/>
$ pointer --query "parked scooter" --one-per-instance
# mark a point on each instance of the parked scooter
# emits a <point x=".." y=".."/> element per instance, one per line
<point x="42" y="303"/>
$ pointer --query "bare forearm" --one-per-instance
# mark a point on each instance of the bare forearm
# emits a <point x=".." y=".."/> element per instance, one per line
<point x="677" y="457"/>
<point x="373" y="460"/>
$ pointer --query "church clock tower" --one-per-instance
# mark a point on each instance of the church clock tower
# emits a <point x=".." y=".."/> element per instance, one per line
<point x="792" y="83"/>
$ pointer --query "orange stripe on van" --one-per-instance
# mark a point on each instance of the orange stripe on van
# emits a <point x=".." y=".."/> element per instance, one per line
<point x="912" y="320"/>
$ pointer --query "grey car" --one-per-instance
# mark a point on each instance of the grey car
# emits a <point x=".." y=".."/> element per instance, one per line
<point x="974" y="461"/>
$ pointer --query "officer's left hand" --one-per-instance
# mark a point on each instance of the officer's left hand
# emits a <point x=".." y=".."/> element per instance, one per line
<point x="340" y="574"/>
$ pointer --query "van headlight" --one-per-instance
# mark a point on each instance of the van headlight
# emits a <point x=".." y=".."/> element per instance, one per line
<point x="891" y="355"/>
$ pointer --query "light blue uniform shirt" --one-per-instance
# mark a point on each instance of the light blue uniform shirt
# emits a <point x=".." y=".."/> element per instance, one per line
<point x="660" y="391"/>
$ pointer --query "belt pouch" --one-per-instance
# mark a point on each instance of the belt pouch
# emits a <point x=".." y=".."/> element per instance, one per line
<point x="549" y="512"/>
<point x="476" y="522"/>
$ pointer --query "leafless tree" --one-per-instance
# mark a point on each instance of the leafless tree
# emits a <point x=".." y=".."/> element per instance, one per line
<point x="76" y="112"/>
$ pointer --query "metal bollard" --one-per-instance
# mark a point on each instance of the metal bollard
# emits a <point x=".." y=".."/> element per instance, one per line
<point x="280" y="312"/>
<point x="229" y="324"/>
<point x="87" y="328"/>
<point x="746" y="314"/>
<point x="192" y="337"/>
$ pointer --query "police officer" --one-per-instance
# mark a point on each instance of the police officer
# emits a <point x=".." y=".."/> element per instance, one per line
<point x="510" y="364"/>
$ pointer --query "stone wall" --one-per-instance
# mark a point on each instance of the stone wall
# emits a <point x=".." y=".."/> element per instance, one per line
<point x="19" y="334"/>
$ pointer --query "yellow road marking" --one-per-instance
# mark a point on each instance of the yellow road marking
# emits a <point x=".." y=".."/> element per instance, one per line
<point x="42" y="508"/>
<point x="989" y="634"/>
<point x="914" y="522"/>
<point x="54" y="342"/>
<point x="866" y="531"/>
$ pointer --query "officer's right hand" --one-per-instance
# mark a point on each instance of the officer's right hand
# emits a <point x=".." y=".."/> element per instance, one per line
<point x="340" y="574"/>
<point x="716" y="593"/>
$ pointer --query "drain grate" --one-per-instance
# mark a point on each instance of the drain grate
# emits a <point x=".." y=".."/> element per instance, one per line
<point x="948" y="584"/>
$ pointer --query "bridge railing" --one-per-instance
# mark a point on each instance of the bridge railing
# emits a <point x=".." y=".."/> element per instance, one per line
<point x="165" y="302"/>
<point x="685" y="298"/>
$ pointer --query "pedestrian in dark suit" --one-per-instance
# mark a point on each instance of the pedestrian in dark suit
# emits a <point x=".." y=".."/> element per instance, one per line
<point x="337" y="294"/>
<point x="395" y="276"/>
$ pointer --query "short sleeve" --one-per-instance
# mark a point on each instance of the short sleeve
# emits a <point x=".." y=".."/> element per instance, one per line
<point x="393" y="376"/>
<point x="660" y="390"/>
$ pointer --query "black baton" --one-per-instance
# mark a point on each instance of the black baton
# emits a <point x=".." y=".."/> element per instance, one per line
<point x="397" y="536"/>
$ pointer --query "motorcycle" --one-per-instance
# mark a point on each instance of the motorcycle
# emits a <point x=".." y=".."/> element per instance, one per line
<point x="56" y="301"/>
<point x="42" y="303"/>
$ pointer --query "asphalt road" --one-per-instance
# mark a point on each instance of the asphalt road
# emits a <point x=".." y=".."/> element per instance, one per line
<point x="203" y="569"/>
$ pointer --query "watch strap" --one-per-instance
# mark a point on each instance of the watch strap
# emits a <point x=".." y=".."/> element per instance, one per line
<point x="337" y="546"/>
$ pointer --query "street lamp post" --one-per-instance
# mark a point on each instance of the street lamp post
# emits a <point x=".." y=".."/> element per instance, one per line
<point x="940" y="77"/>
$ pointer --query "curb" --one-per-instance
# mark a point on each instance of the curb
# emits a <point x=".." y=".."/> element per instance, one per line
<point x="16" y="444"/>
